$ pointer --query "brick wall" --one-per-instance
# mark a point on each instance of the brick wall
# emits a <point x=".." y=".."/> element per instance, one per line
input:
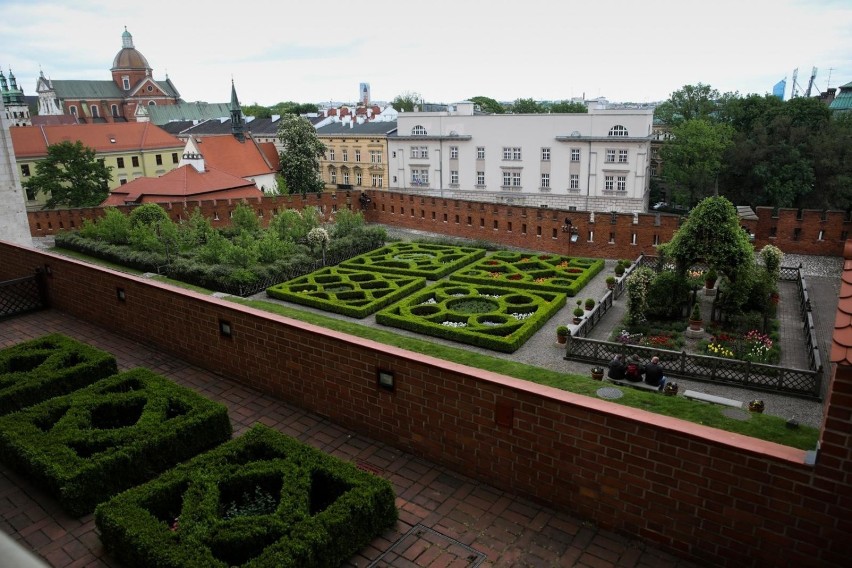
<point x="717" y="497"/>
<point x="622" y="235"/>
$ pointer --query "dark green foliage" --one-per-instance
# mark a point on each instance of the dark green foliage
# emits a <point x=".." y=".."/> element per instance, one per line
<point x="148" y="214"/>
<point x="52" y="365"/>
<point x="415" y="259"/>
<point x="121" y="431"/>
<point x="666" y="295"/>
<point x="263" y="498"/>
<point x="70" y="175"/>
<point x="443" y="310"/>
<point x="300" y="156"/>
<point x="349" y="292"/>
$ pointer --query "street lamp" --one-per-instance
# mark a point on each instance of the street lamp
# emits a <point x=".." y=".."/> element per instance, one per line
<point x="573" y="232"/>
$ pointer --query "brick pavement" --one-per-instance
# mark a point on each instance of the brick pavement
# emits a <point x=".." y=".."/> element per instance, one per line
<point x="446" y="519"/>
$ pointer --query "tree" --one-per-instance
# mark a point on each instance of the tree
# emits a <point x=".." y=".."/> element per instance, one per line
<point x="301" y="155"/>
<point x="487" y="104"/>
<point x="693" y="158"/>
<point x="406" y="101"/>
<point x="527" y="106"/>
<point x="290" y="107"/>
<point x="688" y="103"/>
<point x="70" y="175"/>
<point x="256" y="111"/>
<point x="569" y="107"/>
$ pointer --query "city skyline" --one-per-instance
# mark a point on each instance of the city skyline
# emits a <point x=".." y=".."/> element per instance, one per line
<point x="444" y="51"/>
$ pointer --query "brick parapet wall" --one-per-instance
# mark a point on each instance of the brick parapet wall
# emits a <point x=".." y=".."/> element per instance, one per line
<point x="726" y="499"/>
<point x="525" y="227"/>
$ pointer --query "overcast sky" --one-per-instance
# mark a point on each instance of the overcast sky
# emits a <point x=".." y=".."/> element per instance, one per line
<point x="447" y="51"/>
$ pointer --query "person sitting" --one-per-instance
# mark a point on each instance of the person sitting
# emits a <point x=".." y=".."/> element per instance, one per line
<point x="634" y="370"/>
<point x="616" y="368"/>
<point x="654" y="374"/>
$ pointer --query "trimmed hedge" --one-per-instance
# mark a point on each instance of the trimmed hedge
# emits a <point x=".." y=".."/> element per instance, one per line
<point x="532" y="271"/>
<point x="487" y="316"/>
<point x="121" y="431"/>
<point x="263" y="499"/>
<point x="415" y="259"/>
<point x="354" y="293"/>
<point x="52" y="365"/>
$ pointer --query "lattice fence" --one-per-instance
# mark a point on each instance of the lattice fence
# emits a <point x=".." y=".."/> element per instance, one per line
<point x="22" y="295"/>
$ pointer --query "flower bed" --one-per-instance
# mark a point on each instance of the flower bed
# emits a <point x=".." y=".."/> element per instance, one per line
<point x="752" y="346"/>
<point x="430" y="261"/>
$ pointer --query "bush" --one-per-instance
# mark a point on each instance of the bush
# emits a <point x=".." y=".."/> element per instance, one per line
<point x="148" y="214"/>
<point x="667" y="293"/>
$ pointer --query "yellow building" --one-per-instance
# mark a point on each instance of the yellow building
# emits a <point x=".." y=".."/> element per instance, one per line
<point x="356" y="155"/>
<point x="131" y="149"/>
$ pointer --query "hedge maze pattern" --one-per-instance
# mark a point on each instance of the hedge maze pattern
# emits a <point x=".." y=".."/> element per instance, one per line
<point x="415" y="259"/>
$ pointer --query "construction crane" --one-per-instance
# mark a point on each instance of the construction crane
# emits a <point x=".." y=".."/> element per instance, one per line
<point x="811" y="82"/>
<point x="794" y="92"/>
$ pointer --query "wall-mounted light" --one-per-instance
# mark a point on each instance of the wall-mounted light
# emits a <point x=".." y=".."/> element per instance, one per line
<point x="225" y="329"/>
<point x="119" y="293"/>
<point x="48" y="270"/>
<point x="385" y="379"/>
<point x="573" y="232"/>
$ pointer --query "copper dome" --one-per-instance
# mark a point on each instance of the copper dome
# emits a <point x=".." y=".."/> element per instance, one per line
<point x="129" y="57"/>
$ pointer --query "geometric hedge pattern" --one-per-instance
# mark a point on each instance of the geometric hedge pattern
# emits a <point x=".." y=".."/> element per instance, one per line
<point x="430" y="261"/>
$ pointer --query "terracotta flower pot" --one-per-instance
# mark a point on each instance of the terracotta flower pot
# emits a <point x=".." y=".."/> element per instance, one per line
<point x="695" y="325"/>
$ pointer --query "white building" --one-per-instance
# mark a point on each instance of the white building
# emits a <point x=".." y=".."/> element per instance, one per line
<point x="596" y="162"/>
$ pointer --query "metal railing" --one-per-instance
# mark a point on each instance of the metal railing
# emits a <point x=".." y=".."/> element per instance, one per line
<point x="23" y="295"/>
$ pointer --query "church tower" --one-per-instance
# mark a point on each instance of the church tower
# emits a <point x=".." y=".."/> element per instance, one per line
<point x="237" y="122"/>
<point x="17" y="111"/>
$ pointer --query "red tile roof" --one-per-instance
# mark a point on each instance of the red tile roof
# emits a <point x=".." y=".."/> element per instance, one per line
<point x="32" y="141"/>
<point x="183" y="183"/>
<point x="228" y="154"/>
<point x="841" y="341"/>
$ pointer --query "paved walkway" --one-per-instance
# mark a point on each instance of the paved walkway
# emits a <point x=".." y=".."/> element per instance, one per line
<point x="446" y="519"/>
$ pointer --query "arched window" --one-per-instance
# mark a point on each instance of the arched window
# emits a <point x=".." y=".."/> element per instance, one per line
<point x="418" y="131"/>
<point x="94" y="111"/>
<point x="152" y="104"/>
<point x="115" y="110"/>
<point x="72" y="110"/>
<point x="618" y="130"/>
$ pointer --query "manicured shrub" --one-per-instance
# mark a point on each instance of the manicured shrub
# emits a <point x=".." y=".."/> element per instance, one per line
<point x="415" y="259"/>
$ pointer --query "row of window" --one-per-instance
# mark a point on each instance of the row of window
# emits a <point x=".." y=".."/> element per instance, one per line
<point x="513" y="153"/>
<point x="420" y="178"/>
<point x="377" y="179"/>
<point x="134" y="160"/>
<point x="617" y="130"/>
<point x="375" y="155"/>
<point x="96" y="113"/>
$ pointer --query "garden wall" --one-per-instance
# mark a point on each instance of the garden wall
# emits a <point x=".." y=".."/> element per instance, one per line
<point x="723" y="498"/>
<point x="619" y="235"/>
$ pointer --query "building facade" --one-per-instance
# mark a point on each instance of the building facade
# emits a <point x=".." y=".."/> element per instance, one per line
<point x="599" y="161"/>
<point x="123" y="99"/>
<point x="17" y="111"/>
<point x="356" y="154"/>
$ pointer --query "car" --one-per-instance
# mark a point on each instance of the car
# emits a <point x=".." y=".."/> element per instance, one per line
<point x="660" y="205"/>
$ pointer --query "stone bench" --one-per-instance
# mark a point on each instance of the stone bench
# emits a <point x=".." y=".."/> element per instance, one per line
<point x="695" y="395"/>
<point x="637" y="385"/>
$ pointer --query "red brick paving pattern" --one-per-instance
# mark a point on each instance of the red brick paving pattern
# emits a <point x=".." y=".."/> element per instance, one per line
<point x="509" y="531"/>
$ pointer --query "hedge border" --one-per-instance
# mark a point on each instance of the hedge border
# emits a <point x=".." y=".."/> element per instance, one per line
<point x="437" y="268"/>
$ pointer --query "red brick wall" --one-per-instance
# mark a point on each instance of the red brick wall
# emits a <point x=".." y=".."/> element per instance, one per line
<point x="527" y="227"/>
<point x="722" y="498"/>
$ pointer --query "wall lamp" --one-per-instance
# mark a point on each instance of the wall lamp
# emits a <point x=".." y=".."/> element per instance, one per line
<point x="225" y="329"/>
<point x="573" y="232"/>
<point x="384" y="379"/>
<point x="120" y="294"/>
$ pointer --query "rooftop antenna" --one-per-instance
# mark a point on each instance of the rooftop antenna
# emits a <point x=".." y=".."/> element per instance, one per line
<point x="830" y="69"/>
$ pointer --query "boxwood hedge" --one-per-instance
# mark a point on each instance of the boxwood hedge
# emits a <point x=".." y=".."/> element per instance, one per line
<point x="261" y="500"/>
<point x="415" y="259"/>
<point x="52" y="365"/>
<point x="86" y="446"/>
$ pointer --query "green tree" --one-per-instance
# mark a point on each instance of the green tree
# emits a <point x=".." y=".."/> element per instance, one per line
<point x="693" y="158"/>
<point x="688" y="103"/>
<point x="256" y="111"/>
<point x="568" y="107"/>
<point x="487" y="104"/>
<point x="301" y="155"/>
<point x="290" y="107"/>
<point x="405" y="102"/>
<point x="527" y="106"/>
<point x="70" y="176"/>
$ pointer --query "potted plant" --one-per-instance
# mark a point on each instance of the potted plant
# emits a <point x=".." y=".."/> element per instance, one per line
<point x="597" y="373"/>
<point x="670" y="389"/>
<point x="710" y="278"/>
<point x="756" y="405"/>
<point x="590" y="304"/>
<point x="578" y="312"/>
<point x="610" y="282"/>
<point x="619" y="269"/>
<point x="562" y="333"/>
<point x="695" y="318"/>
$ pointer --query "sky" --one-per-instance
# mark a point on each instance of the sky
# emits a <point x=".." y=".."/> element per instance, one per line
<point x="445" y="51"/>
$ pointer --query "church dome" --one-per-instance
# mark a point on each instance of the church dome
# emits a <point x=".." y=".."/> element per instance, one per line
<point x="129" y="57"/>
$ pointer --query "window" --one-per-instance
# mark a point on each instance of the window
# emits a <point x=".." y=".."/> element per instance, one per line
<point x="31" y="194"/>
<point x="175" y="159"/>
<point x="94" y="110"/>
<point x="480" y="152"/>
<point x="125" y="82"/>
<point x="418" y="131"/>
<point x="159" y="159"/>
<point x="358" y="178"/>
<point x="420" y="151"/>
<point x="114" y="110"/>
<point x="507" y="179"/>
<point x="345" y="155"/>
<point x="618" y="130"/>
<point x="152" y="104"/>
<point x="331" y="154"/>
<point x="575" y="154"/>
<point x="357" y="155"/>
<point x="332" y="175"/>
<point x="511" y="153"/>
<point x="119" y="162"/>
<point x="622" y="156"/>
<point x="122" y="181"/>
<point x="480" y="178"/>
<point x="419" y="177"/>
<point x="545" y="154"/>
<point x="346" y="177"/>
<point x="610" y="156"/>
<point x="608" y="182"/>
<point x="135" y="161"/>
<point x="454" y="152"/>
<point x="73" y="110"/>
<point x="653" y="169"/>
<point x="545" y="180"/>
<point x="454" y="177"/>
<point x="516" y="179"/>
<point x="575" y="182"/>
<point x="621" y="183"/>
<point x="377" y="181"/>
<point x="25" y="170"/>
<point x="375" y="156"/>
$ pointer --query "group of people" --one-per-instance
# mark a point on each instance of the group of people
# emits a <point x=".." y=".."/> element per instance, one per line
<point x="632" y="370"/>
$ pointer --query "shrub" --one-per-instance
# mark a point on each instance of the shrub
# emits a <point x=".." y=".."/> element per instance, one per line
<point x="148" y="214"/>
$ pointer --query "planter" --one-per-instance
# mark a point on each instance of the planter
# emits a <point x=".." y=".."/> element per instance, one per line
<point x="709" y="283"/>
<point x="577" y="320"/>
<point x="756" y="406"/>
<point x="695" y="325"/>
<point x="561" y="339"/>
<point x="597" y="373"/>
<point x="670" y="389"/>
